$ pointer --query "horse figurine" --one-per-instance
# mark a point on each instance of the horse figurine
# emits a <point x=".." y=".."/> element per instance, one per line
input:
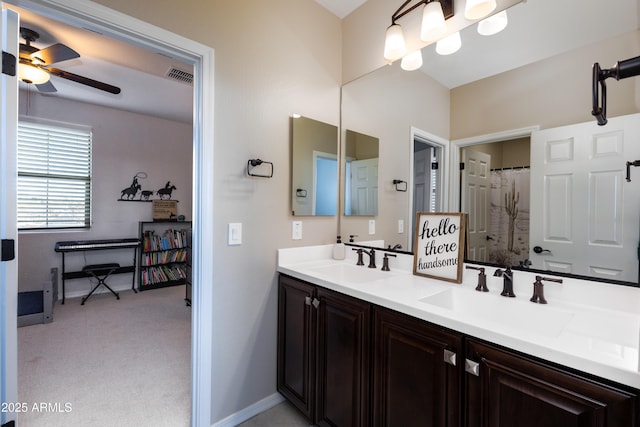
<point x="130" y="192"/>
<point x="146" y="194"/>
<point x="166" y="191"/>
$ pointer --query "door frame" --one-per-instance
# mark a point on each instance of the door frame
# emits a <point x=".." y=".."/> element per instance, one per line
<point x="117" y="25"/>
<point x="458" y="144"/>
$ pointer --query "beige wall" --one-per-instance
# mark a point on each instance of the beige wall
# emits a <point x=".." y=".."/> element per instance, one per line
<point x="549" y="93"/>
<point x="272" y="59"/>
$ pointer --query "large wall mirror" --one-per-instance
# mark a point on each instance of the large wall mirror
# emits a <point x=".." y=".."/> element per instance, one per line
<point x="395" y="105"/>
<point x="314" y="167"/>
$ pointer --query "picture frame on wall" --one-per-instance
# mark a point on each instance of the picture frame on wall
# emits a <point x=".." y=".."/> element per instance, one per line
<point x="440" y="245"/>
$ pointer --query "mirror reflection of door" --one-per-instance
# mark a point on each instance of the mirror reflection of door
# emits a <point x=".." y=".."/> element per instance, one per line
<point x="498" y="203"/>
<point x="586" y="220"/>
<point x="361" y="174"/>
<point x="476" y="185"/>
<point x="426" y="179"/>
<point x="325" y="185"/>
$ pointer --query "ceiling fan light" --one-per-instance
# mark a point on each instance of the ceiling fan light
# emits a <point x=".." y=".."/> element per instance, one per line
<point x="493" y="24"/>
<point x="412" y="61"/>
<point x="449" y="44"/>
<point x="30" y="74"/>
<point x="433" y="23"/>
<point x="478" y="9"/>
<point x="394" y="45"/>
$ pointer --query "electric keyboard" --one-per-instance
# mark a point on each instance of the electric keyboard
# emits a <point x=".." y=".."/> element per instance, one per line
<point x="87" y="245"/>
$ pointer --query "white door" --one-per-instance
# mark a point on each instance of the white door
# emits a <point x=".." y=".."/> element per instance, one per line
<point x="364" y="187"/>
<point x="584" y="215"/>
<point x="8" y="228"/>
<point x="476" y="185"/>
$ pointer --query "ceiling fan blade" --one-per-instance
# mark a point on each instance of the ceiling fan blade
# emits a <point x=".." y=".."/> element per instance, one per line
<point x="47" y="87"/>
<point x="55" y="53"/>
<point x="84" y="80"/>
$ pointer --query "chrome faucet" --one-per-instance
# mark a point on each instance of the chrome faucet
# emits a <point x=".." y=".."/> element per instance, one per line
<point x="507" y="281"/>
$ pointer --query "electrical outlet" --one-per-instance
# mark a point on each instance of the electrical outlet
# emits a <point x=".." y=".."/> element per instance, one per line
<point x="372" y="226"/>
<point x="296" y="230"/>
<point x="235" y="233"/>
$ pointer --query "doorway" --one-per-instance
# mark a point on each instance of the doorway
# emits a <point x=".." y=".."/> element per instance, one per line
<point x="122" y="27"/>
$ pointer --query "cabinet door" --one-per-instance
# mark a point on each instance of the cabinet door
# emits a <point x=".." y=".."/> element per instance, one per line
<point x="512" y="390"/>
<point x="296" y="347"/>
<point x="343" y="360"/>
<point x="413" y="384"/>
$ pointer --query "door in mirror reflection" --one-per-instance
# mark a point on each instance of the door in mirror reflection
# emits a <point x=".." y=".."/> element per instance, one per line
<point x="495" y="194"/>
<point x="426" y="179"/>
<point x="361" y="174"/>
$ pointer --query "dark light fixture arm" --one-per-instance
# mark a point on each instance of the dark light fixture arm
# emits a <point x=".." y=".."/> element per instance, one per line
<point x="447" y="8"/>
<point x="621" y="70"/>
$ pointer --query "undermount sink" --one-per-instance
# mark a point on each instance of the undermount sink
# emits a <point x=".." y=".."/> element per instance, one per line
<point x="352" y="273"/>
<point x="523" y="315"/>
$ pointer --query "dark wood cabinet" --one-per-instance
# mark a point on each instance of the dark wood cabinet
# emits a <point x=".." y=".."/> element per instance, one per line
<point x="344" y="362"/>
<point x="323" y="353"/>
<point x="514" y="390"/>
<point x="416" y="372"/>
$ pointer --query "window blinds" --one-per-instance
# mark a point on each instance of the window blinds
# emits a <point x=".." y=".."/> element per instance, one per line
<point x="54" y="176"/>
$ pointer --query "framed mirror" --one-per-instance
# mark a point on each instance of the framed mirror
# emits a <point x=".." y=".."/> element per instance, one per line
<point x="314" y="168"/>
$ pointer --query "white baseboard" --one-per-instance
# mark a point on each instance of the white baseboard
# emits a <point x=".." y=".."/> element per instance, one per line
<point x="250" y="411"/>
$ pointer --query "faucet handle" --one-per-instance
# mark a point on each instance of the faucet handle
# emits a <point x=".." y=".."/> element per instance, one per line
<point x="538" y="289"/>
<point x="359" y="252"/>
<point x="482" y="279"/>
<point x="385" y="261"/>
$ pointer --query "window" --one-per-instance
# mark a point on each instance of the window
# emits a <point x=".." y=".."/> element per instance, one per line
<point x="54" y="176"/>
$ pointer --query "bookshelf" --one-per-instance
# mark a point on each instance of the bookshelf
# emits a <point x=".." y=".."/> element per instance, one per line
<point x="165" y="255"/>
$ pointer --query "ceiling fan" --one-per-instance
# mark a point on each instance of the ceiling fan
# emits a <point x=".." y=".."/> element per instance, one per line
<point x="35" y="64"/>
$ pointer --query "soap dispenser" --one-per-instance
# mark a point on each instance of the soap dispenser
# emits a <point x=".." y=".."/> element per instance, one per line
<point x="338" y="249"/>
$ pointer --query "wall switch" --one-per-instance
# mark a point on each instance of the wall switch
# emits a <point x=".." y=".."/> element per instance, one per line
<point x="400" y="226"/>
<point x="296" y="230"/>
<point x="372" y="226"/>
<point x="235" y="233"/>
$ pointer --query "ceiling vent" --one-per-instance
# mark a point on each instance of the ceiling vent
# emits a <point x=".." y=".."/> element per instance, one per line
<point x="180" y="75"/>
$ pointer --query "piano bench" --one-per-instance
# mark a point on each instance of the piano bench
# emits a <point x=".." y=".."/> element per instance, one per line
<point x="100" y="272"/>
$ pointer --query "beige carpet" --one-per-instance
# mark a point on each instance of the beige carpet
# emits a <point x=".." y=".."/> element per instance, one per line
<point x="109" y="363"/>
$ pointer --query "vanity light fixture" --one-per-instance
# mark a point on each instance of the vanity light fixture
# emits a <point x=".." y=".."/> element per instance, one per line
<point x="433" y="26"/>
<point x="449" y="44"/>
<point x="493" y="24"/>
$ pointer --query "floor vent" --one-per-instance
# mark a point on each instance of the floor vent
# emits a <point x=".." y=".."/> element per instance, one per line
<point x="180" y="75"/>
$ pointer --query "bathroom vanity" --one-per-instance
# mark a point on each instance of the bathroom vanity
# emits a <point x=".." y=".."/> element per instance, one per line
<point x="360" y="347"/>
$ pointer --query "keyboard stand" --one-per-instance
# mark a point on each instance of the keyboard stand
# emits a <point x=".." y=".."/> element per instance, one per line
<point x="100" y="272"/>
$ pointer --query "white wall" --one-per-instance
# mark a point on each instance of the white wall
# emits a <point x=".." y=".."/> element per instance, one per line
<point x="123" y="144"/>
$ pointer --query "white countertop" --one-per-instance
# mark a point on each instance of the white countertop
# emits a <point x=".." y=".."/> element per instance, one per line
<point x="589" y="326"/>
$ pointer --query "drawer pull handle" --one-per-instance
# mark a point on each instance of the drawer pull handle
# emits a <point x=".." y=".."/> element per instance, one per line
<point x="472" y="367"/>
<point x="307" y="300"/>
<point x="316" y="302"/>
<point x="450" y="357"/>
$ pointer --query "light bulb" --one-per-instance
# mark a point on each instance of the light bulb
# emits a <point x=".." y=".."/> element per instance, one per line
<point x="433" y="24"/>
<point x="412" y="61"/>
<point x="394" y="46"/>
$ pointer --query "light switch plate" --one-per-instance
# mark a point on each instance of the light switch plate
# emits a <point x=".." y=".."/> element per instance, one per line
<point x="400" y="226"/>
<point x="296" y="230"/>
<point x="372" y="226"/>
<point x="235" y="233"/>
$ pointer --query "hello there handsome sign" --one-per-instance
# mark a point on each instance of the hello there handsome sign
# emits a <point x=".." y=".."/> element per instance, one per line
<point x="439" y="250"/>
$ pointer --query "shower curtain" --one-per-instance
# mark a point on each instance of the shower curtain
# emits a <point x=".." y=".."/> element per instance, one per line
<point x="509" y="226"/>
